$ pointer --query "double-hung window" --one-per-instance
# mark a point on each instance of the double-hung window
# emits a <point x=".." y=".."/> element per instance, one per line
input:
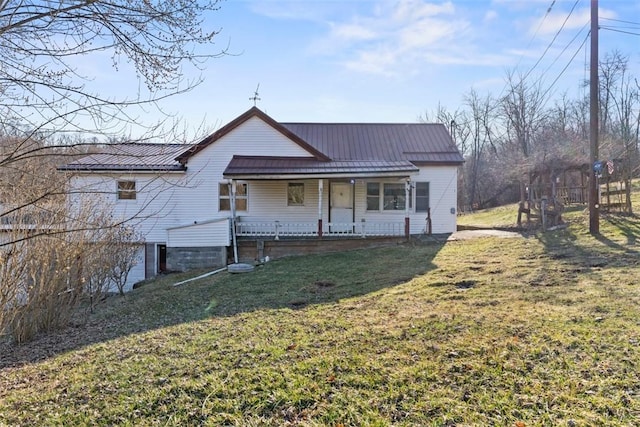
<point x="422" y="196"/>
<point x="373" y="196"/>
<point x="224" y="196"/>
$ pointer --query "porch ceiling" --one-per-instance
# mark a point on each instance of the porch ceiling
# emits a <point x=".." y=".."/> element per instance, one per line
<point x="261" y="167"/>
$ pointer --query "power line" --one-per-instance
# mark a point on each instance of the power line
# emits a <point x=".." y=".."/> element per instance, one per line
<point x="537" y="29"/>
<point x="564" y="50"/>
<point x="552" y="40"/>
<point x="621" y="21"/>
<point x="619" y="31"/>
<point x="566" y="66"/>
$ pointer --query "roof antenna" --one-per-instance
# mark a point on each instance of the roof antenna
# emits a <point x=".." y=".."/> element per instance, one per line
<point x="255" y="98"/>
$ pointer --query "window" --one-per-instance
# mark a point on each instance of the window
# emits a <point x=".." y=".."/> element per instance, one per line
<point x="373" y="196"/>
<point x="422" y="196"/>
<point x="394" y="197"/>
<point x="225" y="196"/>
<point x="126" y="190"/>
<point x="295" y="194"/>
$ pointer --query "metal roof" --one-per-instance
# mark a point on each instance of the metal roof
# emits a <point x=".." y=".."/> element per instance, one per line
<point x="131" y="157"/>
<point x="388" y="149"/>
<point x="248" y="167"/>
<point x="421" y="142"/>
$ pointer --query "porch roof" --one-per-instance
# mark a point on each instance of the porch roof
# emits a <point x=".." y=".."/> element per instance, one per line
<point x="263" y="167"/>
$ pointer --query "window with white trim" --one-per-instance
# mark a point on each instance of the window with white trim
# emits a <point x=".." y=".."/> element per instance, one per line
<point x="422" y="196"/>
<point x="224" y="196"/>
<point x="126" y="190"/>
<point x="373" y="196"/>
<point x="391" y="196"/>
<point x="394" y="197"/>
<point x="295" y="194"/>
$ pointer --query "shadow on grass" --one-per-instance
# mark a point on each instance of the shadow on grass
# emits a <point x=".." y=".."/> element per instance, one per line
<point x="286" y="284"/>
<point x="578" y="249"/>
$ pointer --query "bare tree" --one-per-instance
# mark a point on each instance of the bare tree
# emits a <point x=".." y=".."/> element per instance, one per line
<point x="42" y="87"/>
<point x="620" y="116"/>
<point x="522" y="110"/>
<point x="124" y="247"/>
<point x="43" y="92"/>
<point x="51" y="253"/>
<point x="481" y="118"/>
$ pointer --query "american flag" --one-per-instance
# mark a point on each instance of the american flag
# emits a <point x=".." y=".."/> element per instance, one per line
<point x="610" y="168"/>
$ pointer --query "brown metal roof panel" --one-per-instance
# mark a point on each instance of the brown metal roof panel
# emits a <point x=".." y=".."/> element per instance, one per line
<point x="436" y="157"/>
<point x="370" y="141"/>
<point x="242" y="165"/>
<point x="130" y="156"/>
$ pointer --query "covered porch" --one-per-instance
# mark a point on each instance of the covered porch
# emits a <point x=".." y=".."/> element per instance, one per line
<point x="301" y="198"/>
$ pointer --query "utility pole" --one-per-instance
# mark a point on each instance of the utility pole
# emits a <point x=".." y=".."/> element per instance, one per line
<point x="594" y="206"/>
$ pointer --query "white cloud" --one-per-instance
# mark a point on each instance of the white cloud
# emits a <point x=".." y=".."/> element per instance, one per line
<point x="353" y="32"/>
<point x="491" y="15"/>
<point x="393" y="35"/>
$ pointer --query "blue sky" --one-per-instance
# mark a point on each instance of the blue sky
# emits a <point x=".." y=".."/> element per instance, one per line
<point x="392" y="60"/>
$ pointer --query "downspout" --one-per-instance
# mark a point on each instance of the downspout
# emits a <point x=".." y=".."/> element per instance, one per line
<point x="320" y="188"/>
<point x="407" y="187"/>
<point x="232" y="188"/>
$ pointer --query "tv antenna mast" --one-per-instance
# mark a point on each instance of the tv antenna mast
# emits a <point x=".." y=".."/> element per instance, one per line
<point x="255" y="98"/>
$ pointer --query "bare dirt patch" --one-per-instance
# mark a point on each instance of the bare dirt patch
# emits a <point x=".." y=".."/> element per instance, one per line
<point x="474" y="234"/>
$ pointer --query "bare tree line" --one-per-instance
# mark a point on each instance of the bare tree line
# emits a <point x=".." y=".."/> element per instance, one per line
<point x="503" y="137"/>
<point x="52" y="252"/>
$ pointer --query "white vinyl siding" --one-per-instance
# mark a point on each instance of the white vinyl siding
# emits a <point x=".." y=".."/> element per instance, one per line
<point x="442" y="183"/>
<point x="207" y="234"/>
<point x="199" y="199"/>
<point x="154" y="210"/>
<point x="268" y="202"/>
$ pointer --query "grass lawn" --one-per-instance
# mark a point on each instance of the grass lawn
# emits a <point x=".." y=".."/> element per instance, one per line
<point x="538" y="331"/>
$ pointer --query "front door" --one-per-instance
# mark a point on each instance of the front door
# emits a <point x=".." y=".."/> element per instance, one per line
<point x="341" y="214"/>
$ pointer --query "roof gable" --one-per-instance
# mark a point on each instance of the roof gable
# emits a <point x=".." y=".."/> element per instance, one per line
<point x="238" y="121"/>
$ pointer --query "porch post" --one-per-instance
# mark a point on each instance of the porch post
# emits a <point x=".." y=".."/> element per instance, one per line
<point x="407" y="188"/>
<point x="320" y="188"/>
<point x="233" y="188"/>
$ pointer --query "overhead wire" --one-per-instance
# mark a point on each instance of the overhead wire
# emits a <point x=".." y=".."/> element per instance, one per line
<point x="537" y="29"/>
<point x="567" y="66"/>
<point x="546" y="92"/>
<point x="637" y="24"/>
<point x="564" y="23"/>
<point x="602" y="27"/>
<point x="564" y="50"/>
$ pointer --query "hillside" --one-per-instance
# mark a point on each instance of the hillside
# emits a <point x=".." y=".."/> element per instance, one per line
<point x="538" y="330"/>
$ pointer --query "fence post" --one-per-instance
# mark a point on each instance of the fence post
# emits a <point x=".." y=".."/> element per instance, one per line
<point x="362" y="224"/>
<point x="277" y="230"/>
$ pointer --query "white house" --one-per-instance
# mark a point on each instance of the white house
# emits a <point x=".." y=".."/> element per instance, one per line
<point x="285" y="181"/>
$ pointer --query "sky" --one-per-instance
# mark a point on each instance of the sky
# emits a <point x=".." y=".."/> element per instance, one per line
<point x="393" y="60"/>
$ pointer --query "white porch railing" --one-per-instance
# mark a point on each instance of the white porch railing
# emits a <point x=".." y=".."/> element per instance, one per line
<point x="277" y="229"/>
